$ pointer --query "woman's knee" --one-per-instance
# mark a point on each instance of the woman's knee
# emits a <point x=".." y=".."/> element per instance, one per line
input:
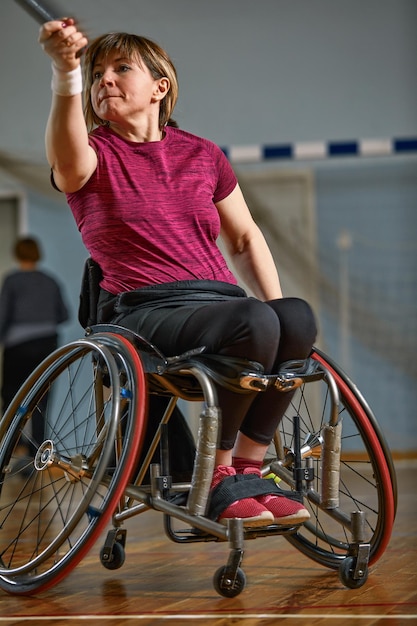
<point x="298" y="327"/>
<point x="255" y="329"/>
<point x="302" y="313"/>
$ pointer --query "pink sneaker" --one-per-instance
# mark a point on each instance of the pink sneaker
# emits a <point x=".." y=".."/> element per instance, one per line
<point x="252" y="512"/>
<point x="286" y="512"/>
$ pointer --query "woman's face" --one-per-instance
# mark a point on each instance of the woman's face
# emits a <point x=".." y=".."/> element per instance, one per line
<point x="124" y="89"/>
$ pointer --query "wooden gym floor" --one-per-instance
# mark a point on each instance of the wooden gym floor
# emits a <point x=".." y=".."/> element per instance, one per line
<point x="165" y="583"/>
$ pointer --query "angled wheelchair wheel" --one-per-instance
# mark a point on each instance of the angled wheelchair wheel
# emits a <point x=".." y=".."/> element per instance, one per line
<point x="367" y="478"/>
<point x="57" y="495"/>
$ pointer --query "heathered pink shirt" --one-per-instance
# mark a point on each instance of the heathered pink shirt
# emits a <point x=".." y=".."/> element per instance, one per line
<point x="147" y="215"/>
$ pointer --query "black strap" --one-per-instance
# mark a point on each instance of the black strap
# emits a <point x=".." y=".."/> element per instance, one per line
<point x="90" y="290"/>
<point x="238" y="487"/>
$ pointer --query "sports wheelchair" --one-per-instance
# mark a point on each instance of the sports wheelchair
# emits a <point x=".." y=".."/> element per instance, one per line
<point x="93" y="471"/>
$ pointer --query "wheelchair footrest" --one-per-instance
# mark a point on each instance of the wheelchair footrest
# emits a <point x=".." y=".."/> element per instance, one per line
<point x="240" y="486"/>
<point x="195" y="535"/>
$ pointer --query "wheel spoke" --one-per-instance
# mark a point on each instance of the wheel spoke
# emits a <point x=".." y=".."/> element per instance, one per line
<point x="365" y="482"/>
<point x="57" y="495"/>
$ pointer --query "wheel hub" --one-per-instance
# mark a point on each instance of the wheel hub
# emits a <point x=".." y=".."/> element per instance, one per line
<point x="45" y="455"/>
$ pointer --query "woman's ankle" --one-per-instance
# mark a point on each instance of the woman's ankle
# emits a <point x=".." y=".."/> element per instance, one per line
<point x="240" y="464"/>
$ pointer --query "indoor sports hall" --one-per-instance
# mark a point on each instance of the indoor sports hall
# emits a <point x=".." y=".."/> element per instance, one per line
<point x="314" y="104"/>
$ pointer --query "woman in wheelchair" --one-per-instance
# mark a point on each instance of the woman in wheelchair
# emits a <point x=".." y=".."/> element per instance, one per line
<point x="150" y="201"/>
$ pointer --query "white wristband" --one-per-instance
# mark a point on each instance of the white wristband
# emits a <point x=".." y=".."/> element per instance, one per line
<point x="66" y="83"/>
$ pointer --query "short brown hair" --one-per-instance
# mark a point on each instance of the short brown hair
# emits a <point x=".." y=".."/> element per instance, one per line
<point x="144" y="51"/>
<point x="27" y="249"/>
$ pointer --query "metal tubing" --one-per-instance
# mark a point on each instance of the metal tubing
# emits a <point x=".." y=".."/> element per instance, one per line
<point x="332" y="436"/>
<point x="206" y="445"/>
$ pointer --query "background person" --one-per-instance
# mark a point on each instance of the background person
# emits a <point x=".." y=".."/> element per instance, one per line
<point x="31" y="308"/>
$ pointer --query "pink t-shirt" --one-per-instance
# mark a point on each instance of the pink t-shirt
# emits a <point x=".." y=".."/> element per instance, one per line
<point x="148" y="216"/>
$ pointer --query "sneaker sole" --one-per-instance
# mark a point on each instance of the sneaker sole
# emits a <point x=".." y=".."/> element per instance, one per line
<point x="298" y="518"/>
<point x="266" y="519"/>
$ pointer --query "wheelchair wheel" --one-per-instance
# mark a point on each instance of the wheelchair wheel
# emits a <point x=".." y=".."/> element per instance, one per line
<point x="57" y="495"/>
<point x="367" y="477"/>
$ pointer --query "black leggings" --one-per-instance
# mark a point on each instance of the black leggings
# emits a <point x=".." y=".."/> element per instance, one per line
<point x="268" y="332"/>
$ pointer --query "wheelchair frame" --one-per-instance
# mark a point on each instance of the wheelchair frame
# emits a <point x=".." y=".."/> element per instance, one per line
<point x="58" y="496"/>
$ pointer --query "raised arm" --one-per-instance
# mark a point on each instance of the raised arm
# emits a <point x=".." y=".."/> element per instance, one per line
<point x="248" y="248"/>
<point x="71" y="158"/>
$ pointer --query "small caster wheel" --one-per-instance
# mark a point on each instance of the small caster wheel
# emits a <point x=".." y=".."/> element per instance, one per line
<point x="116" y="558"/>
<point x="227" y="587"/>
<point x="347" y="571"/>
